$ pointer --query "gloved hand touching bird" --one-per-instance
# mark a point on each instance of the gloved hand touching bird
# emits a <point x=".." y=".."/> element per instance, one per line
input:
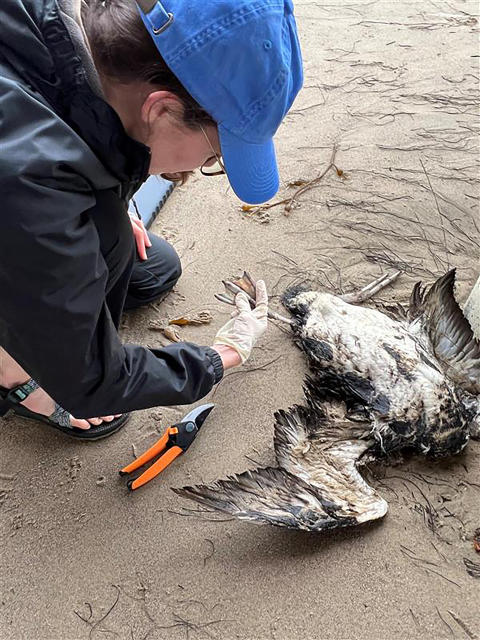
<point x="236" y="339"/>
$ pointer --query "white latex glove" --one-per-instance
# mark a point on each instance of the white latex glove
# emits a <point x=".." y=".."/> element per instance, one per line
<point x="247" y="325"/>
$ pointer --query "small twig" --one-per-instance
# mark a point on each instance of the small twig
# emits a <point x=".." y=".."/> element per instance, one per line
<point x="414" y="617"/>
<point x="95" y="625"/>
<point x="262" y="367"/>
<point x="87" y="620"/>
<point x="461" y="623"/>
<point x="442" y="576"/>
<point x="440" y="554"/>
<point x="210" y="555"/>
<point x="414" y="556"/>
<point x="439" y="212"/>
<point x="444" y="621"/>
<point x="290" y="201"/>
<point x="106" y="614"/>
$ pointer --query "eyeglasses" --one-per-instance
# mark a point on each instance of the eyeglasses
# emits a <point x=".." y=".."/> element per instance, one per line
<point x="216" y="169"/>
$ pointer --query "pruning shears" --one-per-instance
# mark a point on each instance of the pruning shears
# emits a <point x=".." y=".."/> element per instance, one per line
<point x="175" y="441"/>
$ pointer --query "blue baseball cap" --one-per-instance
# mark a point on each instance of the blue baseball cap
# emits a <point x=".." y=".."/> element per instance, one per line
<point x="241" y="61"/>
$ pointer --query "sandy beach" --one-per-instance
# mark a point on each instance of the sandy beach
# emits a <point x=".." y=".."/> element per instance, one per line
<point x="392" y="91"/>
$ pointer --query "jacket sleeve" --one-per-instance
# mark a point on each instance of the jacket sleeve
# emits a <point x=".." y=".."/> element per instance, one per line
<point x="53" y="317"/>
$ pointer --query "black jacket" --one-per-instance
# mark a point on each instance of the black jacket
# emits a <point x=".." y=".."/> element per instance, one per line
<point x="60" y="143"/>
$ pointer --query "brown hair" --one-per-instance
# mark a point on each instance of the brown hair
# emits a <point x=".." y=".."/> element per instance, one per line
<point x="124" y="52"/>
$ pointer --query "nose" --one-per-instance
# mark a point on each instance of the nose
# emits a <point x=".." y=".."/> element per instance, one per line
<point x="210" y="162"/>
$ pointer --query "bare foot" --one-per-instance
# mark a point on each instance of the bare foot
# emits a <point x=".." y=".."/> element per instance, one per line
<point x="40" y="402"/>
<point x="11" y="375"/>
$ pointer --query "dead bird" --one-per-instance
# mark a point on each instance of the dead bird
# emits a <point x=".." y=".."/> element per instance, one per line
<point x="379" y="383"/>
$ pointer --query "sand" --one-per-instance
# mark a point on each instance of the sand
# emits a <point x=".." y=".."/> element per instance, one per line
<point x="394" y="84"/>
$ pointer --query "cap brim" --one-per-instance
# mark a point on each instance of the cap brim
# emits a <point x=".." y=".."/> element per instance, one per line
<point x="251" y="168"/>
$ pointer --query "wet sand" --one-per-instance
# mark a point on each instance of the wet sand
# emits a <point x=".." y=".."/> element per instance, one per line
<point x="394" y="87"/>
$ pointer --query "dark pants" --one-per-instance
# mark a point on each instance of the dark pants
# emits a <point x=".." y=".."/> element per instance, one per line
<point x="132" y="282"/>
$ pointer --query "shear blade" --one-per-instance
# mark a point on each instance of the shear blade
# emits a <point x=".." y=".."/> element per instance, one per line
<point x="199" y="414"/>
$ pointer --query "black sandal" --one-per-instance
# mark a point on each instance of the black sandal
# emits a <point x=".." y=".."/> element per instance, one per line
<point x="10" y="399"/>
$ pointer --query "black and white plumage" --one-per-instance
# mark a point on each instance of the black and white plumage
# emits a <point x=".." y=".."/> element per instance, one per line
<point x="378" y="384"/>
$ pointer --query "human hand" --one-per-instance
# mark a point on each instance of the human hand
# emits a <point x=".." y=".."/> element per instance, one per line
<point x="247" y="325"/>
<point x="140" y="234"/>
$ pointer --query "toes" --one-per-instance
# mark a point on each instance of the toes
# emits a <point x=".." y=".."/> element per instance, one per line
<point x="80" y="424"/>
<point x="86" y="424"/>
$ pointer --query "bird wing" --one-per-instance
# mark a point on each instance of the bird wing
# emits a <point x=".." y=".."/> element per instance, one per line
<point x="270" y="496"/>
<point x="327" y="459"/>
<point x="452" y="337"/>
<point x="317" y="485"/>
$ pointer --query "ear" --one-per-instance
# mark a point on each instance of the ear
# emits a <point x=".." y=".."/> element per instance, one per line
<point x="158" y="103"/>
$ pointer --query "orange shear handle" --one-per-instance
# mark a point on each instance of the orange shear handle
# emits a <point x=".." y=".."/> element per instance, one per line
<point x="156" y="468"/>
<point x="151" y="453"/>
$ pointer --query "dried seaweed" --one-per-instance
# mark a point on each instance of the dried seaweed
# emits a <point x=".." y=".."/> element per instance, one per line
<point x="194" y="319"/>
<point x="168" y="326"/>
<point x="94" y="626"/>
<point x="290" y="202"/>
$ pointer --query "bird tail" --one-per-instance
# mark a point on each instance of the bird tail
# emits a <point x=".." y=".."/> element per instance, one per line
<point x="452" y="337"/>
